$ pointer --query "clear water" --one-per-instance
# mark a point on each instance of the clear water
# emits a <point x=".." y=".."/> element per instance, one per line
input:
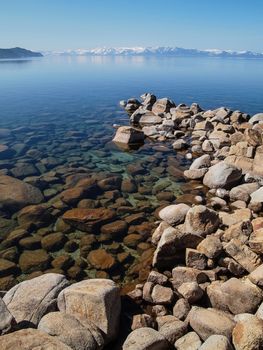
<point x="71" y="103"/>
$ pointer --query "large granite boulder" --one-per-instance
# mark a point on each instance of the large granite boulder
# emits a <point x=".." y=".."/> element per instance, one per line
<point x="31" y="339"/>
<point x="174" y="214"/>
<point x="206" y="322"/>
<point x="201" y="220"/>
<point x="145" y="339"/>
<point x="97" y="301"/>
<point x="222" y="175"/>
<point x="16" y="194"/>
<point x="6" y="319"/>
<point x="128" y="135"/>
<point x="235" y="295"/>
<point x="31" y="300"/>
<point x="71" y="331"/>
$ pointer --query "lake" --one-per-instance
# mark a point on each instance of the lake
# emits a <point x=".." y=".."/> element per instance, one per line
<point x="60" y="113"/>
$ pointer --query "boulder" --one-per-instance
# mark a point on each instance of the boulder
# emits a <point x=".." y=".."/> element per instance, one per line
<point x="34" y="260"/>
<point x="172" y="330"/>
<point x="222" y="175"/>
<point x="201" y="162"/>
<point x="189" y="341"/>
<point x="256" y="276"/>
<point x="174" y="214"/>
<point x="248" y="334"/>
<point x="218" y="342"/>
<point x="71" y="331"/>
<point x="243" y="192"/>
<point x="183" y="274"/>
<point x="129" y="136"/>
<point x="257" y="118"/>
<point x="145" y="339"/>
<point x="242" y="254"/>
<point x="162" y="295"/>
<point x="31" y="300"/>
<point x="31" y="339"/>
<point x="101" y="260"/>
<point x="97" y="301"/>
<point x="201" y="221"/>
<point x="235" y="295"/>
<point x="88" y="219"/>
<point x="162" y="105"/>
<point x="211" y="247"/>
<point x="16" y="194"/>
<point x="6" y="319"/>
<point x="207" y="322"/>
<point x="257" y="196"/>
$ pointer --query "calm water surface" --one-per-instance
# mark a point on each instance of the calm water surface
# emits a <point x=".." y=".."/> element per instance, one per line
<point x="63" y="109"/>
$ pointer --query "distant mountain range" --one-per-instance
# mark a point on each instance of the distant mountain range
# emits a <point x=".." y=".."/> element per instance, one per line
<point x="155" y="51"/>
<point x="18" y="52"/>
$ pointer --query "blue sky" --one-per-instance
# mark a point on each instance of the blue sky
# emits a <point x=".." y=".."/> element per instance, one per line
<point x="62" y="24"/>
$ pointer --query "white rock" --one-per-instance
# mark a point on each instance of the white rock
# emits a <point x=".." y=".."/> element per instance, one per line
<point x="174" y="214"/>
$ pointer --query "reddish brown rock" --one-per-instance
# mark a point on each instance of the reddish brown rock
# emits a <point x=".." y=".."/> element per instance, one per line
<point x="101" y="260"/>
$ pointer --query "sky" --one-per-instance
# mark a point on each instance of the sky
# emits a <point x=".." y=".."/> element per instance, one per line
<point x="73" y="24"/>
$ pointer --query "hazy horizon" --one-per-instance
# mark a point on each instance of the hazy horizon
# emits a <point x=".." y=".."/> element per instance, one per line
<point x="47" y="25"/>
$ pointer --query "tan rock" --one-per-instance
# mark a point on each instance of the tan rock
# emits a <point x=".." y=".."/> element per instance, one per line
<point x="145" y="339"/>
<point x="248" y="334"/>
<point x="189" y="341"/>
<point x="201" y="221"/>
<point x="97" y="301"/>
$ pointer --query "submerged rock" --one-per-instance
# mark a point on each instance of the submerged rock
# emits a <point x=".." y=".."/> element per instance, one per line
<point x="16" y="194"/>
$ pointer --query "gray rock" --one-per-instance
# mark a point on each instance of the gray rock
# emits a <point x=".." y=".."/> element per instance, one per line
<point x="243" y="192"/>
<point x="257" y="196"/>
<point x="181" y="309"/>
<point x="174" y="214"/>
<point x="145" y="339"/>
<point x="97" y="301"/>
<point x="257" y="118"/>
<point x="31" y="300"/>
<point x="222" y="175"/>
<point x="202" y="162"/>
<point x="173" y="330"/>
<point x="218" y="342"/>
<point x="6" y="319"/>
<point x="71" y="331"/>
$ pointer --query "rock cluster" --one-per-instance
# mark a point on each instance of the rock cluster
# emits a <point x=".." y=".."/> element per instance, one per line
<point x="49" y="313"/>
<point x="205" y="290"/>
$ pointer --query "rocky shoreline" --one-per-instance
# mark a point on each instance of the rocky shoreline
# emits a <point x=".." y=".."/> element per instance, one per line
<point x="200" y="287"/>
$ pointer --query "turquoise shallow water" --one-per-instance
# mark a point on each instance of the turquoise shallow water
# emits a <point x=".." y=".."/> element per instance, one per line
<point x="61" y="111"/>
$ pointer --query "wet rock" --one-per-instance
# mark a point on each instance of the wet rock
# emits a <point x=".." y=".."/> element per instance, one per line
<point x="222" y="175"/>
<point x="30" y="261"/>
<point x="30" y="300"/>
<point x="30" y="243"/>
<point x="190" y="341"/>
<point x="128" y="135"/>
<point x="95" y="300"/>
<point x="34" y="214"/>
<point x="7" y="267"/>
<point x="235" y="296"/>
<point x="219" y="342"/>
<point x="76" y="333"/>
<point x="174" y="214"/>
<point x="248" y="334"/>
<point x="115" y="229"/>
<point x="88" y="219"/>
<point x="201" y="220"/>
<point x="16" y="194"/>
<point x="207" y="322"/>
<point x="145" y="339"/>
<point x="6" y="152"/>
<point x="100" y="259"/>
<point x="53" y="241"/>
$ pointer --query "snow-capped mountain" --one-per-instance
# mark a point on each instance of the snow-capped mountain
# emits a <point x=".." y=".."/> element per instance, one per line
<point x="155" y="51"/>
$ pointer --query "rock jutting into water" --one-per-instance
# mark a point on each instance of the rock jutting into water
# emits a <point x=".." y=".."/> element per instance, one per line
<point x="188" y="257"/>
